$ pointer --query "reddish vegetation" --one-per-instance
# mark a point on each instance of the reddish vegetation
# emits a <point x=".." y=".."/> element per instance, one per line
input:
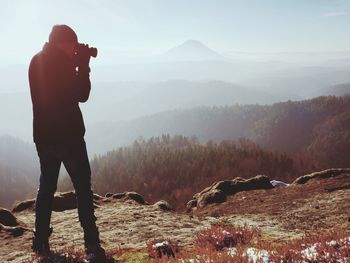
<point x="330" y="246"/>
<point x="212" y="244"/>
<point x="222" y="236"/>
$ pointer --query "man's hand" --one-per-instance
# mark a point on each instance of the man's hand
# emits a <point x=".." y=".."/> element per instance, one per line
<point x="83" y="57"/>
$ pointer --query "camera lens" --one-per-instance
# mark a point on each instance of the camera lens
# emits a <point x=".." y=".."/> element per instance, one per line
<point x="93" y="51"/>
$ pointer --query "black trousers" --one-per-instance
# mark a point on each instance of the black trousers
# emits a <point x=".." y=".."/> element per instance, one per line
<point x="75" y="159"/>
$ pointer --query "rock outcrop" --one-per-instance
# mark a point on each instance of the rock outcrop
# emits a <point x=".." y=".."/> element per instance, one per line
<point x="62" y="201"/>
<point x="322" y="175"/>
<point x="24" y="205"/>
<point x="163" y="205"/>
<point x="13" y="230"/>
<point x="9" y="223"/>
<point x="108" y="195"/>
<point x="218" y="191"/>
<point x="97" y="197"/>
<point x="130" y="196"/>
<point x="7" y="218"/>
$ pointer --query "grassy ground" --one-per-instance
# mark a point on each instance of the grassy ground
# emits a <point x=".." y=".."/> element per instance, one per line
<point x="280" y="221"/>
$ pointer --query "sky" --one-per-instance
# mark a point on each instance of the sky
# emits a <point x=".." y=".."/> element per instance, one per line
<point x="131" y="28"/>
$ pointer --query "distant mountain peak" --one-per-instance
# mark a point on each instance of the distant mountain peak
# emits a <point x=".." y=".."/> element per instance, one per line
<point x="191" y="50"/>
<point x="194" y="43"/>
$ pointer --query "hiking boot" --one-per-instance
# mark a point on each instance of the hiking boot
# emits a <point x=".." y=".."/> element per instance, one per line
<point x="40" y="247"/>
<point x="95" y="254"/>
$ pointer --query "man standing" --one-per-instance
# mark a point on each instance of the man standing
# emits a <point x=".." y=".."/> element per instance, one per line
<point x="59" y="80"/>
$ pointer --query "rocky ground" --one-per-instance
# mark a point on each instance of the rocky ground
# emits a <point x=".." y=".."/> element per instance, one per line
<point x="282" y="213"/>
<point x="288" y="212"/>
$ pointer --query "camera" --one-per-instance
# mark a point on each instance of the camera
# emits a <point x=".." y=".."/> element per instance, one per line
<point x="86" y="50"/>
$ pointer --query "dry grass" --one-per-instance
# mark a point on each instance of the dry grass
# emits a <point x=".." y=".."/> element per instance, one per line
<point x="224" y="243"/>
<point x="285" y="223"/>
<point x="70" y="255"/>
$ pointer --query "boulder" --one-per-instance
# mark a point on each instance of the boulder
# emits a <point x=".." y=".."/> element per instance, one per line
<point x="119" y="195"/>
<point x="62" y="201"/>
<point x="12" y="230"/>
<point x="97" y="197"/>
<point x="332" y="172"/>
<point x="210" y="197"/>
<point x="136" y="197"/>
<point x="161" y="249"/>
<point x="163" y="205"/>
<point x="7" y="218"/>
<point x="108" y="195"/>
<point x="68" y="200"/>
<point x="21" y="206"/>
<point x="191" y="204"/>
<point x="218" y="191"/>
<point x="130" y="196"/>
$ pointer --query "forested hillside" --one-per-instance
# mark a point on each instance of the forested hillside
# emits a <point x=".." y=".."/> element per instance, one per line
<point x="19" y="170"/>
<point x="319" y="126"/>
<point x="174" y="168"/>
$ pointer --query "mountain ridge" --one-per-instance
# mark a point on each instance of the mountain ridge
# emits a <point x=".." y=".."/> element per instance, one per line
<point x="191" y="50"/>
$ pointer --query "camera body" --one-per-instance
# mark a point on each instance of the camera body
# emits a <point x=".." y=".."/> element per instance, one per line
<point x="83" y="53"/>
<point x="86" y="50"/>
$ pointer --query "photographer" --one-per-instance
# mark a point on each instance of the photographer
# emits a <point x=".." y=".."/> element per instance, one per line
<point x="59" y="80"/>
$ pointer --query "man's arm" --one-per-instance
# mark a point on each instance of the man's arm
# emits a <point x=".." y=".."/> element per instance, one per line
<point x="82" y="83"/>
<point x="82" y="75"/>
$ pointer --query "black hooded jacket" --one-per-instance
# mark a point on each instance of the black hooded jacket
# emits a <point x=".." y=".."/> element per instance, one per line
<point x="56" y="89"/>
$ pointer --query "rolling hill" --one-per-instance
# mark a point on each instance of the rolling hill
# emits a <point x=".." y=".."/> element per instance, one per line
<point x="291" y="126"/>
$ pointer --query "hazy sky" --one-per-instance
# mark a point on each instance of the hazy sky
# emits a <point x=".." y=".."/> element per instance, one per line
<point x="146" y="27"/>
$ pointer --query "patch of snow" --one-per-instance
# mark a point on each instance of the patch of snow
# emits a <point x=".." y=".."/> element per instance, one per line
<point x="231" y="251"/>
<point x="346" y="241"/>
<point x="310" y="253"/>
<point x="257" y="255"/>
<point x="276" y="183"/>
